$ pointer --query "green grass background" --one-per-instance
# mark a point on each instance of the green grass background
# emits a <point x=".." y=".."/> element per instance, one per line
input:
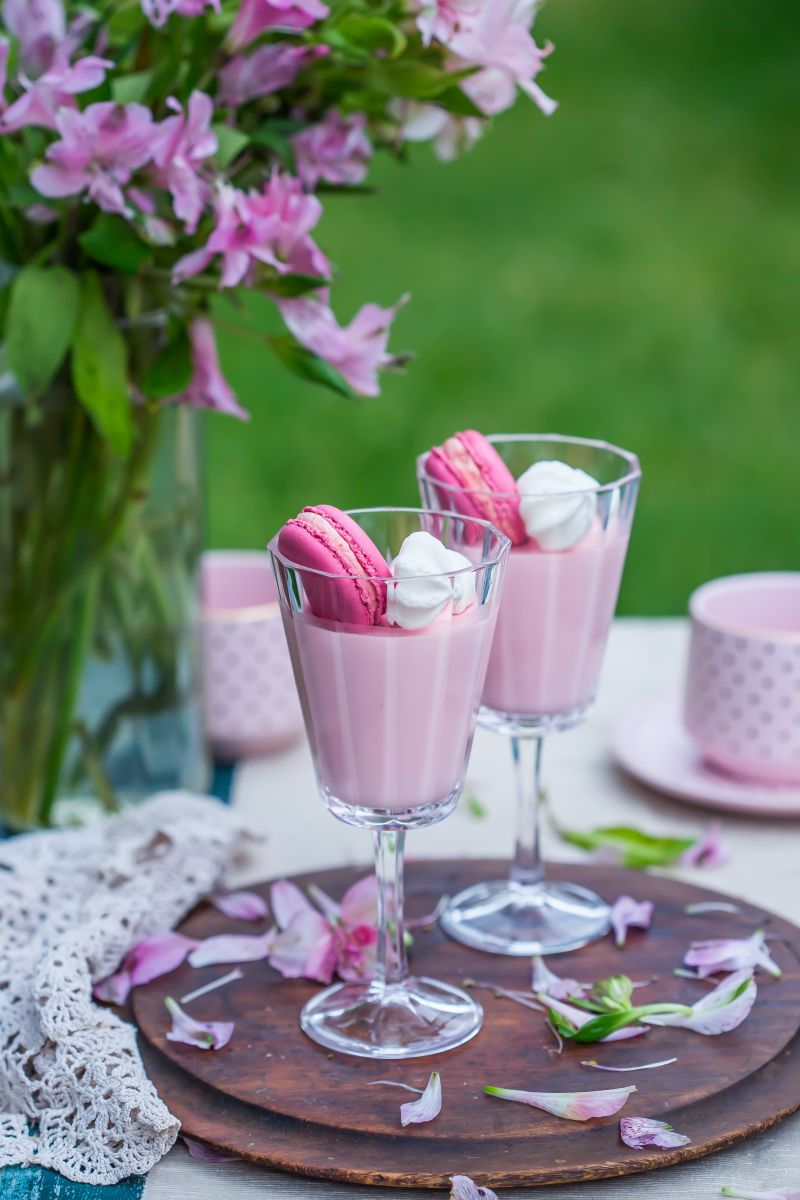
<point x="627" y="269"/>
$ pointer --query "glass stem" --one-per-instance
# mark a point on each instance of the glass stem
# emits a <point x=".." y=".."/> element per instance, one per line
<point x="527" y="867"/>
<point x="391" y="964"/>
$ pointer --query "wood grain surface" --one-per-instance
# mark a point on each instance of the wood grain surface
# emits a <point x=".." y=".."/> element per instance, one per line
<point x="275" y="1097"/>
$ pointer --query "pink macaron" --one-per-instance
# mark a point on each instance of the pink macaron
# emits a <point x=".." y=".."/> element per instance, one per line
<point x="469" y="461"/>
<point x="323" y="538"/>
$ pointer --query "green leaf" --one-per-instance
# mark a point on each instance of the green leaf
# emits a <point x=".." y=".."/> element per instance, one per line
<point x="602" y="1026"/>
<point x="132" y="88"/>
<point x="172" y="370"/>
<point x="309" y="366"/>
<point x="456" y="101"/>
<point x="296" y="285"/>
<point x="112" y="241"/>
<point x="276" y="141"/>
<point x="372" y="33"/>
<point x="231" y="142"/>
<point x="637" y="850"/>
<point x="20" y="195"/>
<point x="40" y="325"/>
<point x="99" y="368"/>
<point x="561" y="1024"/>
<point x="474" y="806"/>
<point x="125" y="21"/>
<point x="418" y="81"/>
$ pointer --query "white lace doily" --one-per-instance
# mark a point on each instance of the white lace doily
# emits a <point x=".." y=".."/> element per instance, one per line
<point x="74" y="1095"/>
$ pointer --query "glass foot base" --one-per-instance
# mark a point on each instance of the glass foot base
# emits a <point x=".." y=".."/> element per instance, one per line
<point x="524" y="919"/>
<point x="402" y="1020"/>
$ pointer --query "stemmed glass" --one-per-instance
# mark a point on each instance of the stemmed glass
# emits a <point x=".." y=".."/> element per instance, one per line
<point x="555" y="615"/>
<point x="390" y="715"/>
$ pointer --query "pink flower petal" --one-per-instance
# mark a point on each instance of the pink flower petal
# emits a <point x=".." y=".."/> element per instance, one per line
<point x="731" y="954"/>
<point x="287" y="901"/>
<point x="719" y="1011"/>
<point x="464" y="1188"/>
<point x="580" y="1017"/>
<point x="774" y="1194"/>
<point x="545" y="980"/>
<point x="641" y="1132"/>
<point x="206" y="1035"/>
<point x="205" y="1154"/>
<point x="243" y="906"/>
<point x="114" y="989"/>
<point x="306" y="948"/>
<point x="360" y="902"/>
<point x="149" y="959"/>
<point x="628" y="913"/>
<point x="573" y="1106"/>
<point x="427" y="1107"/>
<point x="708" y="851"/>
<point x="231" y="948"/>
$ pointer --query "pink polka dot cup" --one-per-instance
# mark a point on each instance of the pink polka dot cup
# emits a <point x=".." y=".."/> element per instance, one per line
<point x="251" y="702"/>
<point x="742" y="703"/>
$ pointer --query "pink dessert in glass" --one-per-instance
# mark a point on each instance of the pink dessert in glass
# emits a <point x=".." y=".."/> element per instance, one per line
<point x="566" y="504"/>
<point x="389" y="616"/>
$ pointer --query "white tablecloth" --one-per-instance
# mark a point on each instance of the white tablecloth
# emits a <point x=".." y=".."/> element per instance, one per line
<point x="278" y="796"/>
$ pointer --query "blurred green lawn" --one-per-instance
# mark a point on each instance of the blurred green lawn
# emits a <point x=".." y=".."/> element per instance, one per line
<point x="627" y="269"/>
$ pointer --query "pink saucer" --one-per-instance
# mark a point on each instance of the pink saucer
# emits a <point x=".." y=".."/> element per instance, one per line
<point x="651" y="743"/>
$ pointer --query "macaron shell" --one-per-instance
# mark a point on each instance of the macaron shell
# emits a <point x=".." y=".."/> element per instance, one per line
<point x="485" y="464"/>
<point x="322" y="539"/>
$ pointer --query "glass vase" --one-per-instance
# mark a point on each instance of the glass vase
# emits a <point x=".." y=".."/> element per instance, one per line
<point x="99" y="670"/>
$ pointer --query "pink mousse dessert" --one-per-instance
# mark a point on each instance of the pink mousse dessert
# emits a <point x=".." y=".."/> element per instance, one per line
<point x="569" y="541"/>
<point x="389" y="661"/>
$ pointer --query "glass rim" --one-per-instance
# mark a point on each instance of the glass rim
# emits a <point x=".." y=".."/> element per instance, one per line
<point x="486" y="561"/>
<point x="633" y="473"/>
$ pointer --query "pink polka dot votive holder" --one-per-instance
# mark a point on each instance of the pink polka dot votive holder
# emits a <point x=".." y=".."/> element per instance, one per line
<point x="742" y="703"/>
<point x="251" y="702"/>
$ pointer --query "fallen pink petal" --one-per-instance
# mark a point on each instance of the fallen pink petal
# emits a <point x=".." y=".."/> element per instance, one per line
<point x="306" y="948"/>
<point x="205" y="1153"/>
<point x="572" y="1106"/>
<point x="464" y="1188"/>
<point x="592" y="1062"/>
<point x="641" y="1132"/>
<point x="627" y="913"/>
<point x="149" y="959"/>
<point x="580" y="1017"/>
<point x="731" y="954"/>
<point x="287" y="901"/>
<point x="242" y="906"/>
<point x="545" y="980"/>
<point x="231" y="948"/>
<point x="427" y="1107"/>
<point x="708" y="851"/>
<point x="205" y="1035"/>
<point x="719" y="1011"/>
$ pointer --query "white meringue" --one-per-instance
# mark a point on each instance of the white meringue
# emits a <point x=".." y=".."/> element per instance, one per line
<point x="422" y="590"/>
<point x="557" y="503"/>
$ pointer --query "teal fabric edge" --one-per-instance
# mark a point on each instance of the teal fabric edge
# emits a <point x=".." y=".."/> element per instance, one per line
<point x="38" y="1183"/>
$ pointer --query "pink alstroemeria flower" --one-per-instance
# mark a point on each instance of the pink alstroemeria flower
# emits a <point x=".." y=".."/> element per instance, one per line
<point x="451" y="135"/>
<point x="708" y="851"/>
<point x="41" y="99"/>
<point x="573" y="1106"/>
<point x="498" y="39"/>
<point x="731" y="954"/>
<point x="314" y="946"/>
<point x="336" y="149"/>
<point x="719" y="1011"/>
<point x="183" y="142"/>
<point x="254" y="16"/>
<point x="441" y="19"/>
<point x="641" y="1132"/>
<point x="627" y="913"/>
<point x="464" y="1188"/>
<point x="208" y="387"/>
<point x="546" y="981"/>
<point x="270" y="227"/>
<point x="149" y="959"/>
<point x="268" y="69"/>
<point x="40" y="28"/>
<point x="580" y="1017"/>
<point x="242" y="906"/>
<point x="427" y="1107"/>
<point x="158" y="12"/>
<point x="357" y="351"/>
<point x="206" y="1035"/>
<point x="99" y="150"/>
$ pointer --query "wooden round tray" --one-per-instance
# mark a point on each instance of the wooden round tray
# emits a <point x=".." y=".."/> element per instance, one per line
<point x="274" y="1097"/>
